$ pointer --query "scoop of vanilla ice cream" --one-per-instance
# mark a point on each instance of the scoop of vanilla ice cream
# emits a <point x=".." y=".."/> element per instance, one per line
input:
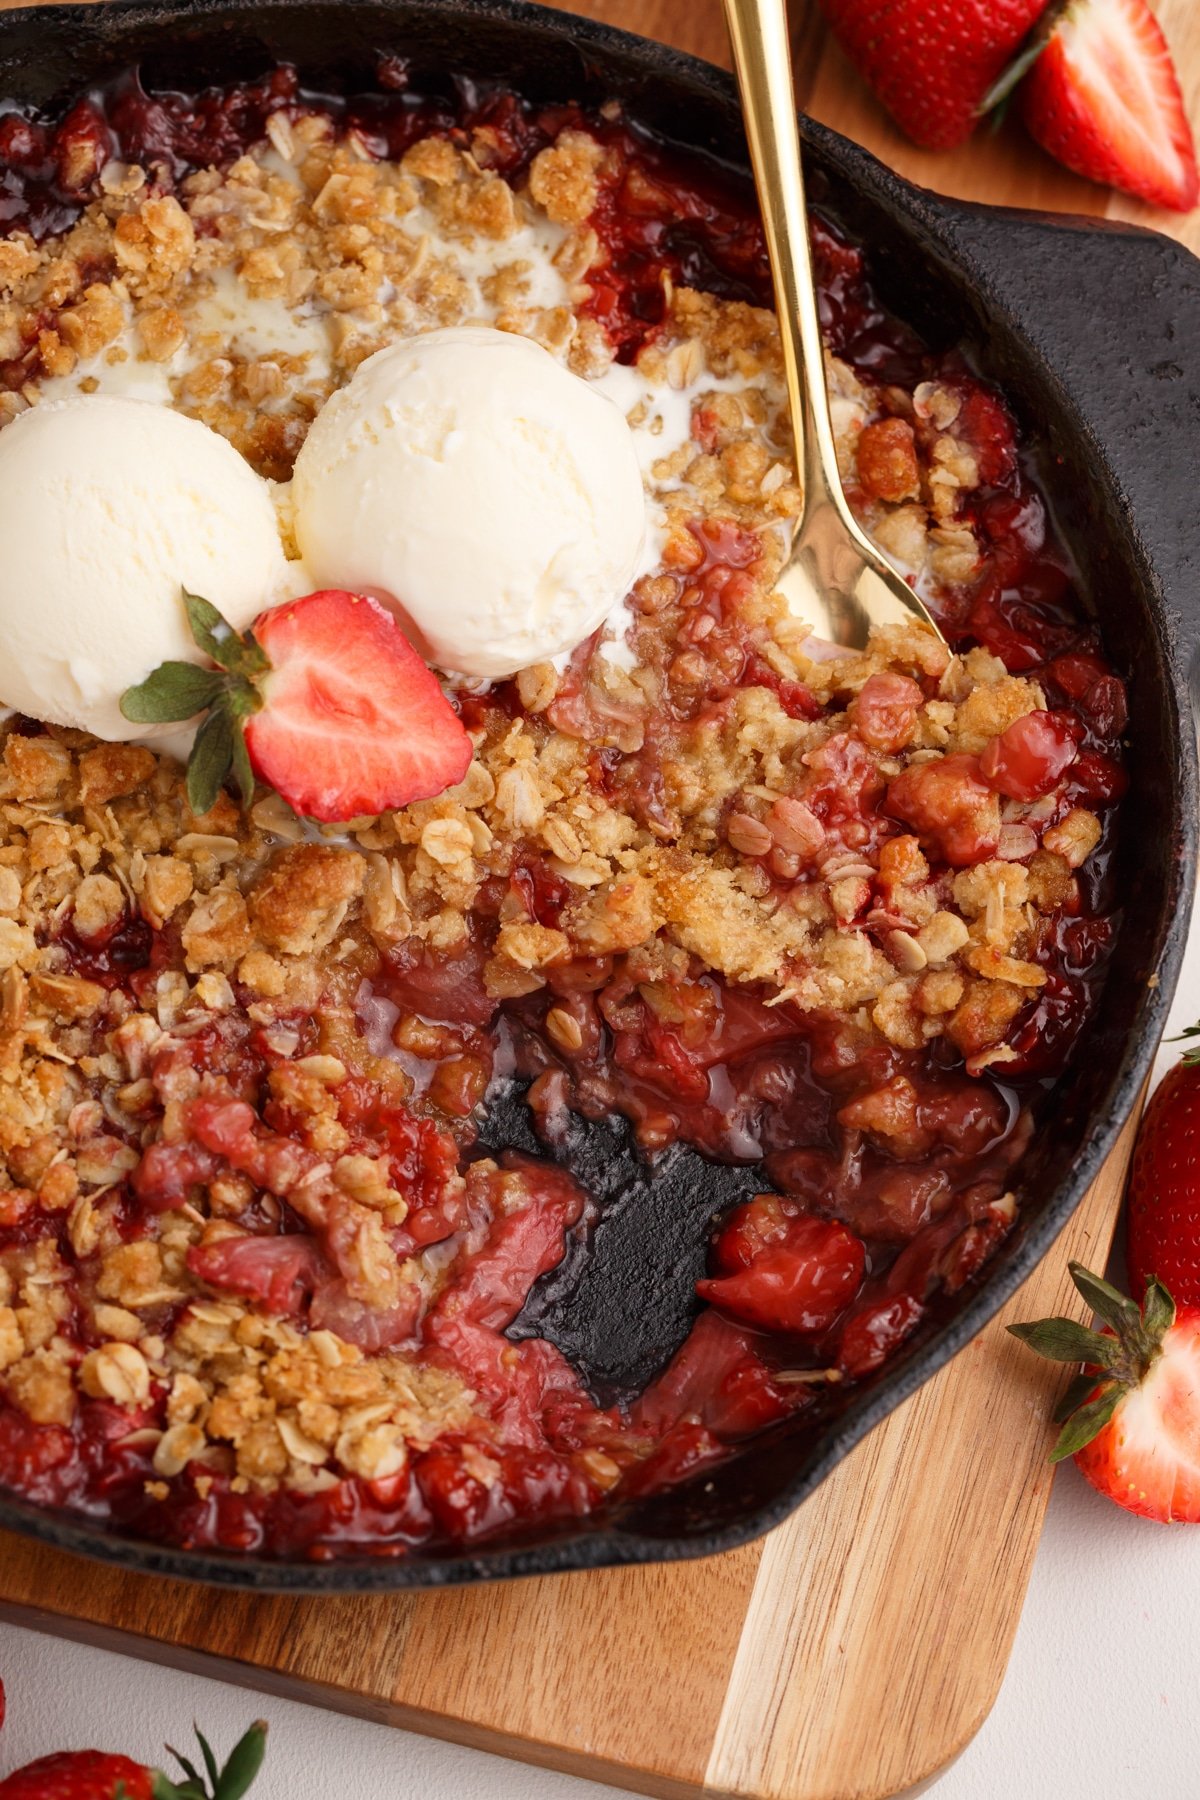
<point x="108" y="509"/>
<point x="472" y="482"/>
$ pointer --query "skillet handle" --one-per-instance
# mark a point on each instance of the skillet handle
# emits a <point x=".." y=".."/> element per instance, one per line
<point x="1113" y="314"/>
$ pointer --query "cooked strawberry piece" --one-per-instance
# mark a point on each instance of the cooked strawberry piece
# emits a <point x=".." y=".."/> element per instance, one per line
<point x="843" y="786"/>
<point x="1076" y="672"/>
<point x="439" y="985"/>
<point x="1027" y="760"/>
<point x="688" y="1447"/>
<point x="167" y="1173"/>
<point x="1098" y="694"/>
<point x="422" y="1156"/>
<point x="887" y="460"/>
<point x="39" y="1461"/>
<point x="371" y="1328"/>
<point x="83" y="143"/>
<point x="529" y="1484"/>
<point x="718" y="1378"/>
<point x="951" y="807"/>
<point x="1096" y="779"/>
<point x="749" y="1229"/>
<point x="491" y="1286"/>
<point x="884" y="711"/>
<point x="488" y="1289"/>
<point x="797" y="1283"/>
<point x="353" y="721"/>
<point x="909" y="1120"/>
<point x="230" y="1128"/>
<point x="986" y="426"/>
<point x="1104" y="98"/>
<point x="797" y="701"/>
<point x="875" y="1330"/>
<point x="278" y="1272"/>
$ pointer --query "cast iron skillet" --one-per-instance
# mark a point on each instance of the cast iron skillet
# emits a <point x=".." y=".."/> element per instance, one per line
<point x="1094" y="332"/>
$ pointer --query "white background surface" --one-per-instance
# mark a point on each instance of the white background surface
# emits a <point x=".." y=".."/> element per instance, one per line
<point x="1102" y="1695"/>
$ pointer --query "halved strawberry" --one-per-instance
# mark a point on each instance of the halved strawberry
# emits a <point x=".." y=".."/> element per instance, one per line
<point x="1104" y="98"/>
<point x="1131" y="1420"/>
<point x="324" y="699"/>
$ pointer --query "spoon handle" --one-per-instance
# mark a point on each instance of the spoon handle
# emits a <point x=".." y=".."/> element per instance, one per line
<point x="762" y="58"/>
<point x="837" y="579"/>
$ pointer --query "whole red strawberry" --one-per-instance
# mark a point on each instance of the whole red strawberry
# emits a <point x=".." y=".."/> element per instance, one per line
<point x="1131" y="1420"/>
<point x="1163" y="1204"/>
<point x="80" y="1775"/>
<point x="932" y="62"/>
<point x="1104" y="98"/>
<point x="99" y="1775"/>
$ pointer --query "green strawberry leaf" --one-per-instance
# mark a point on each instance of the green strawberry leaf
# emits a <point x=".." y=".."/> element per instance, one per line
<point x="213" y="634"/>
<point x="243" y="774"/>
<point x="189" y="1768"/>
<point x="1065" y="1340"/>
<point x="163" y="1788"/>
<point x="1125" y="1357"/>
<point x="179" y="690"/>
<point x="1158" y="1310"/>
<point x="998" y="98"/>
<point x="1115" y="1308"/>
<point x="1190" y="1057"/>
<point x="243" y="1763"/>
<point x="1088" y="1421"/>
<point x="209" y="627"/>
<point x="210" y="1761"/>
<point x="1074" y="1395"/>
<point x="211" y="759"/>
<point x="175" y="691"/>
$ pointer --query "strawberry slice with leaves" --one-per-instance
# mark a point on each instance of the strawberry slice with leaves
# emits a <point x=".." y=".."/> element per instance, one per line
<point x="1104" y="98"/>
<point x="1131" y="1419"/>
<point x="100" y="1775"/>
<point x="324" y="699"/>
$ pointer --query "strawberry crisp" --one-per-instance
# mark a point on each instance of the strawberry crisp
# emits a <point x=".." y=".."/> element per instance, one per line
<point x="836" y="917"/>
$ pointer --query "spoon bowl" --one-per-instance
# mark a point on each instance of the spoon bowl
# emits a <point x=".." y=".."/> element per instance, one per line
<point x="835" y="577"/>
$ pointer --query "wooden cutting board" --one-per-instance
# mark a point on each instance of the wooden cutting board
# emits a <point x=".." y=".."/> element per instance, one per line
<point x="855" y="1651"/>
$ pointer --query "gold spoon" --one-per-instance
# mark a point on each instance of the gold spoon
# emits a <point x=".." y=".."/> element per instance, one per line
<point x="835" y="577"/>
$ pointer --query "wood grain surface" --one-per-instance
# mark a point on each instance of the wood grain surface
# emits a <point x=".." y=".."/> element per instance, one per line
<point x="856" y="1650"/>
